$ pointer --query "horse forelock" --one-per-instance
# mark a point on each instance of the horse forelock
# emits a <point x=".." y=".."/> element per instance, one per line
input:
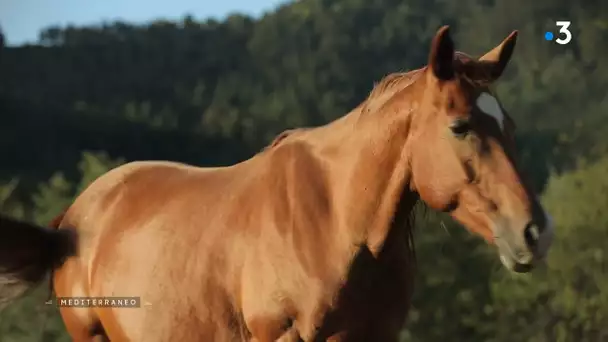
<point x="475" y="73"/>
<point x="460" y="56"/>
<point x="467" y="68"/>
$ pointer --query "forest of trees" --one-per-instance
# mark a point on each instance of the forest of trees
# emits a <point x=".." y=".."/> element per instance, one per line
<point x="85" y="99"/>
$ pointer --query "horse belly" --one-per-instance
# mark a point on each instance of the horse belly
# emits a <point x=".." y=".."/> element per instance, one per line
<point x="180" y="300"/>
<point x="140" y="240"/>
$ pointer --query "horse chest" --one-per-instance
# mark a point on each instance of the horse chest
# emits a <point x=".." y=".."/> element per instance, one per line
<point x="373" y="300"/>
<point x="369" y="278"/>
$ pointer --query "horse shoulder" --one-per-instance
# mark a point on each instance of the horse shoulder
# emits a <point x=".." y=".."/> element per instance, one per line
<point x="293" y="186"/>
<point x="304" y="215"/>
<point x="304" y="177"/>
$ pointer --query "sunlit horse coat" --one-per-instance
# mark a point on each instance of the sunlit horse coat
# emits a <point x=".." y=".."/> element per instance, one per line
<point x="307" y="240"/>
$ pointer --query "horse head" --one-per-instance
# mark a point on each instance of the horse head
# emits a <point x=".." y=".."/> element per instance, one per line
<point x="463" y="158"/>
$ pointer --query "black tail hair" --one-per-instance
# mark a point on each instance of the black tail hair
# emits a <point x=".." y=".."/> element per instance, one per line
<point x="28" y="253"/>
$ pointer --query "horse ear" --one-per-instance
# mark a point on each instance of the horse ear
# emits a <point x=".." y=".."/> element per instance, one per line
<point x="499" y="57"/>
<point x="441" y="58"/>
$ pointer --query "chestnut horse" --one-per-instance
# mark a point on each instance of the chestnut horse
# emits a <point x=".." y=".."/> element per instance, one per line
<point x="310" y="239"/>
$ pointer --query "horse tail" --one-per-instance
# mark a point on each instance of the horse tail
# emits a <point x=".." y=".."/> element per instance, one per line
<point x="28" y="253"/>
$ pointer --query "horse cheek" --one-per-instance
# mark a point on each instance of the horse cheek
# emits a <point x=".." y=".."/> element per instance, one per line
<point x="437" y="195"/>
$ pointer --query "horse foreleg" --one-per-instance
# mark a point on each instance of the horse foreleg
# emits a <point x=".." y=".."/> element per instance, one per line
<point x="290" y="335"/>
<point x="268" y="329"/>
<point x="83" y="332"/>
<point x="337" y="337"/>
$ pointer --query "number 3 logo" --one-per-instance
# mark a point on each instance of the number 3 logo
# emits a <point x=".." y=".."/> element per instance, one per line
<point x="563" y="29"/>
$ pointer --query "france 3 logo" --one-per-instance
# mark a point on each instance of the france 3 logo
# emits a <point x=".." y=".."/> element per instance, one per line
<point x="563" y="36"/>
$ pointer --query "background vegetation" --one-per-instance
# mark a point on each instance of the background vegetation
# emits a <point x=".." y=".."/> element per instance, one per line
<point x="85" y="99"/>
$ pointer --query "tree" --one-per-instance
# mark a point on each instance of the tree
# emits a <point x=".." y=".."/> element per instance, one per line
<point x="214" y="92"/>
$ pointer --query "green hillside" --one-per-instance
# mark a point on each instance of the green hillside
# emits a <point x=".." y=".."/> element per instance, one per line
<point x="87" y="98"/>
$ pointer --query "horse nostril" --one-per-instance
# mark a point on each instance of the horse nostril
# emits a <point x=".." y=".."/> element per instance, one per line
<point x="532" y="234"/>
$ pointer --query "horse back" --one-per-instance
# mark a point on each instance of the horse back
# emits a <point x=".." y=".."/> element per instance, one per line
<point x="143" y="233"/>
<point x="203" y="236"/>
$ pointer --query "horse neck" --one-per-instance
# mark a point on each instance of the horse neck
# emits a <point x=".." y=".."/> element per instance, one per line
<point x="366" y="153"/>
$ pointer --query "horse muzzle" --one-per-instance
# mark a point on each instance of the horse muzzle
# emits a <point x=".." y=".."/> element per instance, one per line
<point x="521" y="252"/>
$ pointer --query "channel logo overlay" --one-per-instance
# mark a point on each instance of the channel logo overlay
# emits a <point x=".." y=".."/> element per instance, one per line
<point x="563" y="35"/>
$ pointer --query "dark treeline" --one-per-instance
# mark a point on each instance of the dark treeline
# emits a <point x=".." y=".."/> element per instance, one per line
<point x="84" y="99"/>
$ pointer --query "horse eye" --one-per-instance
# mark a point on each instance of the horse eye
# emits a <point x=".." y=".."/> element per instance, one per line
<point x="460" y="128"/>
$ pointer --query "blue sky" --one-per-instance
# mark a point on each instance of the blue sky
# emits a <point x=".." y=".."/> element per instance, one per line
<point x="22" y="20"/>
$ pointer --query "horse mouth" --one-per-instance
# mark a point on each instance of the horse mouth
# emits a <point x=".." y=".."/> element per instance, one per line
<point x="516" y="258"/>
<point x="512" y="265"/>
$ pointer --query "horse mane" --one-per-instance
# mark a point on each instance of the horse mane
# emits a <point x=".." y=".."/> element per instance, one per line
<point x="467" y="68"/>
<point x="380" y="93"/>
<point x="283" y="135"/>
<point x="388" y="87"/>
<point x="280" y="138"/>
